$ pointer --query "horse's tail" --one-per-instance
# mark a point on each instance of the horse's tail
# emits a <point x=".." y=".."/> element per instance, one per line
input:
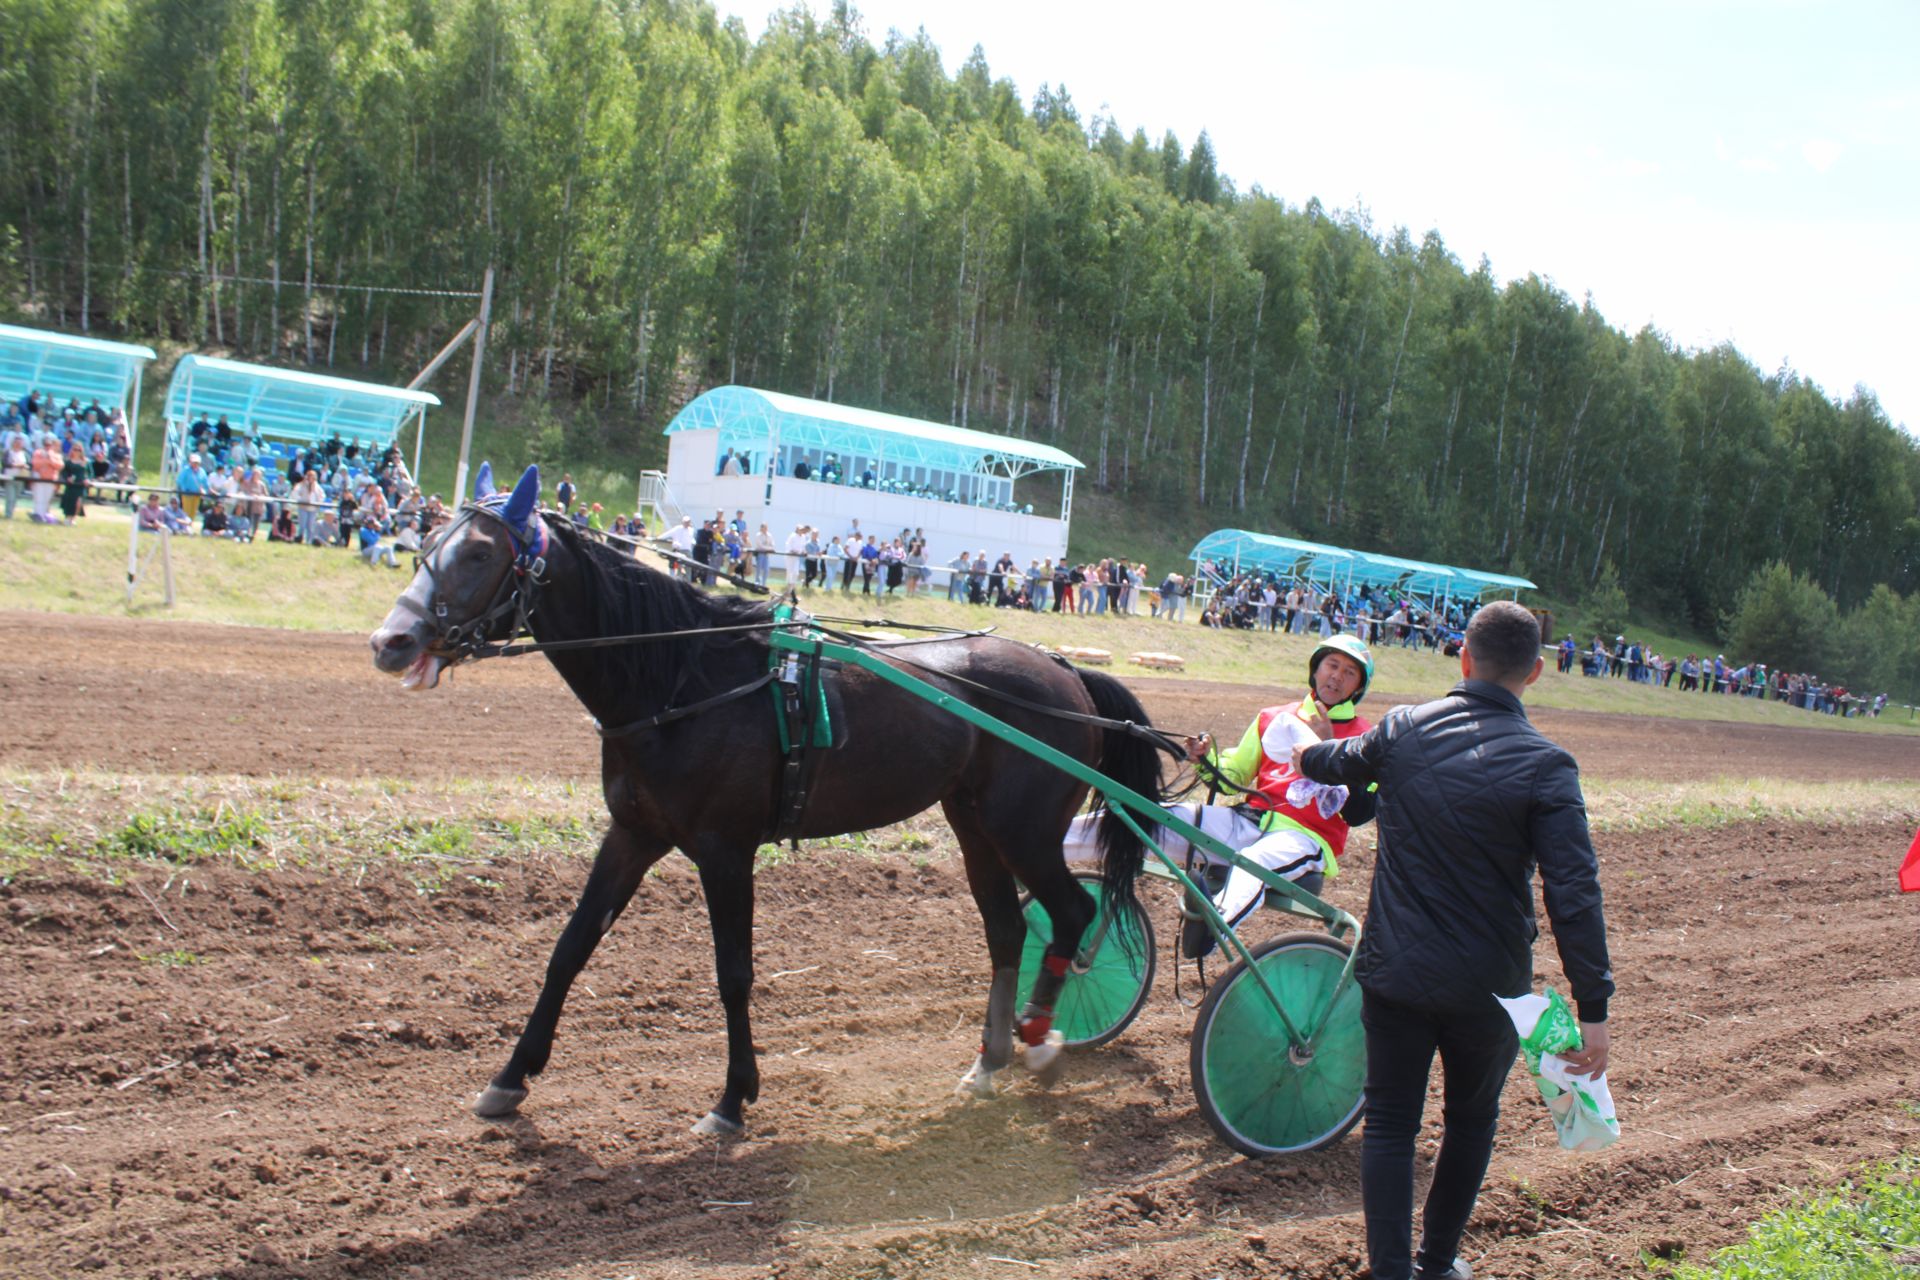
<point x="1134" y="762"/>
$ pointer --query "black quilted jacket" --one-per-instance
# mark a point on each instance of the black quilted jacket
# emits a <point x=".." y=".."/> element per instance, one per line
<point x="1471" y="797"/>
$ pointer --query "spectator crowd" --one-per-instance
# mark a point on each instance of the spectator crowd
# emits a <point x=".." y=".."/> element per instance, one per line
<point x="50" y="452"/>
<point x="898" y="564"/>
<point x="236" y="484"/>
<point x="1261" y="600"/>
<point x="1633" y="661"/>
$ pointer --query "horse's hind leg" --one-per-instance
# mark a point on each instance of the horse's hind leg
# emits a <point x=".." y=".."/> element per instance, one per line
<point x="617" y="870"/>
<point x="1070" y="911"/>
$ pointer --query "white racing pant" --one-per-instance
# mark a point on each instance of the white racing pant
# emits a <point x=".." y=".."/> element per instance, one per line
<point x="1288" y="852"/>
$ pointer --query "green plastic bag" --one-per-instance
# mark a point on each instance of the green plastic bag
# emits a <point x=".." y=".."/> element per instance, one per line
<point x="1581" y="1106"/>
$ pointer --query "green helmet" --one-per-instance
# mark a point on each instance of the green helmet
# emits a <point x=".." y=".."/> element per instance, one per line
<point x="1352" y="647"/>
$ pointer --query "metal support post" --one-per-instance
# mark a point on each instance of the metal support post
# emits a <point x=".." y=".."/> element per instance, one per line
<point x="473" y="387"/>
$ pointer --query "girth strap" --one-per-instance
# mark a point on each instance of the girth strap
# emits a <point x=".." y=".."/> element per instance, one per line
<point x="680" y="713"/>
<point x="800" y="704"/>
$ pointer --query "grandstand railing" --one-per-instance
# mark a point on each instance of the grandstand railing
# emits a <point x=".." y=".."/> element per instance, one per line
<point x="656" y="502"/>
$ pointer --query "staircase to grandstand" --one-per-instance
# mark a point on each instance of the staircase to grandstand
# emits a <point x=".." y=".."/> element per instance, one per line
<point x="656" y="502"/>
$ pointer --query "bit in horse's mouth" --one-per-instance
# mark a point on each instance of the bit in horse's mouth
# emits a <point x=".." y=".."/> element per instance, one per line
<point x="424" y="673"/>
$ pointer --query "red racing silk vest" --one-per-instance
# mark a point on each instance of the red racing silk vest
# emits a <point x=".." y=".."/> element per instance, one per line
<point x="1273" y="777"/>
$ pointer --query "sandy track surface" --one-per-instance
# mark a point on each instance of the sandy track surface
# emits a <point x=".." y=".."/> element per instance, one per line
<point x="291" y="1101"/>
<point x="191" y="698"/>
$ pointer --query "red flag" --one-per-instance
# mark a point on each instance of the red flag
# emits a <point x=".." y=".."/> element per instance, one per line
<point x="1910" y="869"/>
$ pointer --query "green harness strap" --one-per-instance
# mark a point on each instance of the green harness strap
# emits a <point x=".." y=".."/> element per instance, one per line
<point x="809" y="675"/>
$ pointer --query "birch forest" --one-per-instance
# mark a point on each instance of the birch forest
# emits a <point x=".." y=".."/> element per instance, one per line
<point x="672" y="202"/>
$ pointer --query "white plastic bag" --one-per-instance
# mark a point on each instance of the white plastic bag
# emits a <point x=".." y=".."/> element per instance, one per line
<point x="1581" y="1106"/>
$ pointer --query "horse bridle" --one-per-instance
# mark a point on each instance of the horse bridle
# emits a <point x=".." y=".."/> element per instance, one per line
<point x="513" y="595"/>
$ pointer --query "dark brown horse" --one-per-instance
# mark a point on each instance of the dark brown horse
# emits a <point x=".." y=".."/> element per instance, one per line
<point x="709" y="785"/>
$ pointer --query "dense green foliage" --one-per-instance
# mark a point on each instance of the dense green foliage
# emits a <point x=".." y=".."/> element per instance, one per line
<point x="1606" y="603"/>
<point x="1786" y="617"/>
<point x="671" y="203"/>
<point x="1865" y="1230"/>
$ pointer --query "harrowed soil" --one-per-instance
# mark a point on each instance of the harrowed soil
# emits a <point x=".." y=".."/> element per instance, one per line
<point x="290" y="1101"/>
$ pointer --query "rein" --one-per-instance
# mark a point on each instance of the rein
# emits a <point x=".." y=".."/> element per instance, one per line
<point x="515" y="594"/>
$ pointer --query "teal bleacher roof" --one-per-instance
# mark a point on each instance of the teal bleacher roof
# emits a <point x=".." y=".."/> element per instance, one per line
<point x="69" y="367"/>
<point x="1295" y="557"/>
<point x="289" y="403"/>
<point x="754" y="419"/>
<point x="1269" y="551"/>
<point x="1494" y="581"/>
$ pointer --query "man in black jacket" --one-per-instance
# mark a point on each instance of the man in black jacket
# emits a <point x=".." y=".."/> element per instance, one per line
<point x="1471" y="797"/>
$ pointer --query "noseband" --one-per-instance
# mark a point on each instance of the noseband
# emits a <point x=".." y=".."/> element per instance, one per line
<point x="513" y="595"/>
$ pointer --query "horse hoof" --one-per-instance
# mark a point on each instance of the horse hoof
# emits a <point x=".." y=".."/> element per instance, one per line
<point x="978" y="1082"/>
<point x="715" y="1125"/>
<point x="495" y="1103"/>
<point x="1047" y="1059"/>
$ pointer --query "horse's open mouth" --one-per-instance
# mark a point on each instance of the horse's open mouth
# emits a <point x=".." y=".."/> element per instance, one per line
<point x="424" y="673"/>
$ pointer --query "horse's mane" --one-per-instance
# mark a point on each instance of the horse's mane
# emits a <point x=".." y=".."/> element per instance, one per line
<point x="625" y="597"/>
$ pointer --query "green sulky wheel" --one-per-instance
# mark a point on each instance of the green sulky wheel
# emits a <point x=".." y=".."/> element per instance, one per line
<point x="1260" y="1097"/>
<point x="1096" y="1005"/>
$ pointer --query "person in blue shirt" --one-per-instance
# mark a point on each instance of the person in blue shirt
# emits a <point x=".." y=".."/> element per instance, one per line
<point x="192" y="483"/>
<point x="372" y="550"/>
<point x="733" y="549"/>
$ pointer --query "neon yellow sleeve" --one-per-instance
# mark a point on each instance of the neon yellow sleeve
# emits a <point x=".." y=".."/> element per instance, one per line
<point x="1241" y="765"/>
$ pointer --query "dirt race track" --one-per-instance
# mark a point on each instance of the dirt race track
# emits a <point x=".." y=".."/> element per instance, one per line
<point x="293" y="1105"/>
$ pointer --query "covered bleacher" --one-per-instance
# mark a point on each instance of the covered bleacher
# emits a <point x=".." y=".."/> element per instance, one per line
<point x="72" y="368"/>
<point x="288" y="409"/>
<point x="1236" y="551"/>
<point x="799" y="461"/>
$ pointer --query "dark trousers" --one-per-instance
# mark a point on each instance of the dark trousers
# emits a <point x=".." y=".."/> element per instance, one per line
<point x="1476" y="1052"/>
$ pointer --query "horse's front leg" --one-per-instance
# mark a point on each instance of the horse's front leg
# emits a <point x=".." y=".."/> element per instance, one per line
<point x="727" y="879"/>
<point x="617" y="871"/>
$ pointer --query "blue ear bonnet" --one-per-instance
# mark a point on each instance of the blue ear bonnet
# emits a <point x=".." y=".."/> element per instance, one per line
<point x="516" y="511"/>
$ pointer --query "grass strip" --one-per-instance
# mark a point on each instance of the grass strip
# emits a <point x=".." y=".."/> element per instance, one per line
<point x="1866" y="1229"/>
<point x="1640" y="805"/>
<point x="83" y="570"/>
<point x="105" y="826"/>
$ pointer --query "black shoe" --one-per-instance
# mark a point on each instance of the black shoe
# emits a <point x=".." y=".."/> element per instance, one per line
<point x="1458" y="1271"/>
<point x="1196" y="938"/>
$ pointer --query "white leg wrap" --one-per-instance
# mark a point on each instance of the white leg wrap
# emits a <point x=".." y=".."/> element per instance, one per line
<point x="978" y="1082"/>
<point x="1046" y="1059"/>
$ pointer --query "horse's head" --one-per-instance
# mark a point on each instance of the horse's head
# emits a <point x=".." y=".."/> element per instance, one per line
<point x="472" y="585"/>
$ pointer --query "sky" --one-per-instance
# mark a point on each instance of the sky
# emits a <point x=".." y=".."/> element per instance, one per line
<point x="1745" y="172"/>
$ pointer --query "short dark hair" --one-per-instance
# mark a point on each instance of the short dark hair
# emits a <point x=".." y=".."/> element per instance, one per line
<point x="1504" y="641"/>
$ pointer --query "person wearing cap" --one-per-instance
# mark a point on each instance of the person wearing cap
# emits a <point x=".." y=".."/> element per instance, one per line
<point x="1471" y="799"/>
<point x="192" y="484"/>
<point x="680" y="537"/>
<point x="1269" y="813"/>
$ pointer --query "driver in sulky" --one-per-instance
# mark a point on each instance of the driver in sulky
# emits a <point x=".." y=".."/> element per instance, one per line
<point x="1271" y="815"/>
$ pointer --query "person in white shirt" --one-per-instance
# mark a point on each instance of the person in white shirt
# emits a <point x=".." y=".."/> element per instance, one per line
<point x="762" y="554"/>
<point x="680" y="538"/>
<point x="796" y="551"/>
<point x="221" y="484"/>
